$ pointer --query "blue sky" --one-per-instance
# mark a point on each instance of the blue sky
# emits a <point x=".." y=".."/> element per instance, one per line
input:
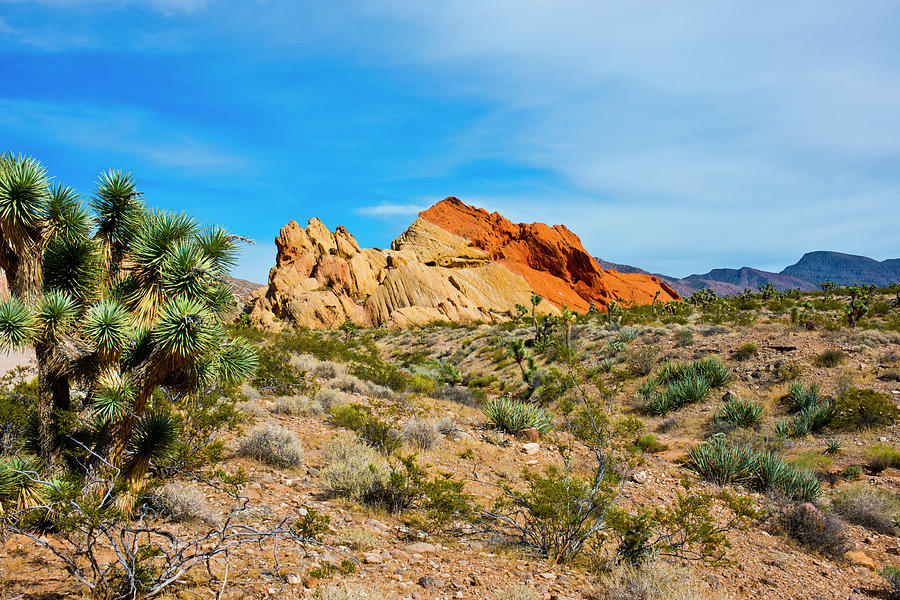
<point x="673" y="136"/>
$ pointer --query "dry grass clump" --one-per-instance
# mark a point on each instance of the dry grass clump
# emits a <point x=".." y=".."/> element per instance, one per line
<point x="652" y="580"/>
<point x="355" y="385"/>
<point x="869" y="506"/>
<point x="274" y="446"/>
<point x="297" y="406"/>
<point x="518" y="591"/>
<point x="182" y="504"/>
<point x="421" y="433"/>
<point x="324" y="369"/>
<point x="344" y="591"/>
<point x="360" y="538"/>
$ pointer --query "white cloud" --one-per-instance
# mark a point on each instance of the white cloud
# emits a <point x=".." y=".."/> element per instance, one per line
<point x="390" y="210"/>
<point x="124" y="130"/>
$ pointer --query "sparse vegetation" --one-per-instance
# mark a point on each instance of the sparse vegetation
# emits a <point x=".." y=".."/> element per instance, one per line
<point x="514" y="417"/>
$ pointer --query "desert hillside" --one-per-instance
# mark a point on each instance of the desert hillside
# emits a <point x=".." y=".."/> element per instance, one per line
<point x="758" y="445"/>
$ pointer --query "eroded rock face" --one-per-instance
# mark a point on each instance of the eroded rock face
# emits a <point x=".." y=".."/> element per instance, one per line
<point x="455" y="262"/>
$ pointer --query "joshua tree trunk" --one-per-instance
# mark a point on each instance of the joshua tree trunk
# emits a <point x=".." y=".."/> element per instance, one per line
<point x="54" y="399"/>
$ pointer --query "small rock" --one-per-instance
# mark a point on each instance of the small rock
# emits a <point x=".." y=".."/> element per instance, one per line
<point x="548" y="575"/>
<point x="310" y="583"/>
<point x="639" y="476"/>
<point x="294" y="579"/>
<point x="474" y="580"/>
<point x="893" y="550"/>
<point x="420" y="548"/>
<point x="531" y="448"/>
<point x="859" y="558"/>
<point x="372" y="558"/>
<point x="426" y="581"/>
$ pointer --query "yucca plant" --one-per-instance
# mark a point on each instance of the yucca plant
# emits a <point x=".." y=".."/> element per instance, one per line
<point x="724" y="463"/>
<point x="118" y="300"/>
<point x="802" y="396"/>
<point x="514" y="417"/>
<point x="739" y="412"/>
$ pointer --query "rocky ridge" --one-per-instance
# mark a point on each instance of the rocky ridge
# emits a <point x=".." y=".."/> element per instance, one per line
<point x="455" y="262"/>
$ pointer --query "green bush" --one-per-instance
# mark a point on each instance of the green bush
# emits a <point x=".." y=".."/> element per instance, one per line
<point x="372" y="430"/>
<point x="739" y="412"/>
<point x="892" y="578"/>
<point x="857" y="409"/>
<point x="422" y="384"/>
<point x="514" y="417"/>
<point x="649" y="443"/>
<point x="812" y="419"/>
<point x="276" y="375"/>
<point x="830" y="358"/>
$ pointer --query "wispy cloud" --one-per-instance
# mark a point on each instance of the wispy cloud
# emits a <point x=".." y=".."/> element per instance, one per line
<point x="133" y="132"/>
<point x="390" y="210"/>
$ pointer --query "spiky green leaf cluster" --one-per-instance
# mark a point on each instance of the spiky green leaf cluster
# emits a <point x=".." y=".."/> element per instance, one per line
<point x="17" y="324"/>
<point x="514" y="417"/>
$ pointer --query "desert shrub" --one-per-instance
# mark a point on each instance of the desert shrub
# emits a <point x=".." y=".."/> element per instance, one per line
<point x="858" y="409"/>
<point x="823" y="532"/>
<point x="851" y="473"/>
<point x="329" y="399"/>
<point x="653" y="579"/>
<point x="514" y="417"/>
<point x="684" y="337"/>
<point x="726" y="463"/>
<point x="518" y="591"/>
<point x="627" y="335"/>
<point x="869" y="506"/>
<point x="739" y="412"/>
<point x="276" y="375"/>
<point x="649" y="443"/>
<point x="422" y="384"/>
<point x="273" y="445"/>
<point x="830" y="358"/>
<point x="458" y="394"/>
<point x="890" y="375"/>
<point x="880" y="458"/>
<point x="892" y="578"/>
<point x="352" y="468"/>
<point x="641" y="361"/>
<point x="296" y="405"/>
<point x="182" y="504"/>
<point x="370" y="428"/>
<point x="421" y="433"/>
<point x="746" y="350"/>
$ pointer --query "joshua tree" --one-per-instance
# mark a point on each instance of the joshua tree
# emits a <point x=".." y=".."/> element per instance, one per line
<point x="517" y="351"/>
<point x="858" y="305"/>
<point x="535" y="300"/>
<point x="827" y="286"/>
<point x="653" y="304"/>
<point x="768" y="291"/>
<point x="613" y="311"/>
<point x="521" y="311"/>
<point x="117" y="300"/>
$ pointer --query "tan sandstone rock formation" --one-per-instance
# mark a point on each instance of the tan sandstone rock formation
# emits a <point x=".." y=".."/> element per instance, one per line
<point x="455" y="262"/>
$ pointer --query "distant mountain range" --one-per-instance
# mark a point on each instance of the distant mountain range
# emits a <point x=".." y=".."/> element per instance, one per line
<point x="807" y="273"/>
